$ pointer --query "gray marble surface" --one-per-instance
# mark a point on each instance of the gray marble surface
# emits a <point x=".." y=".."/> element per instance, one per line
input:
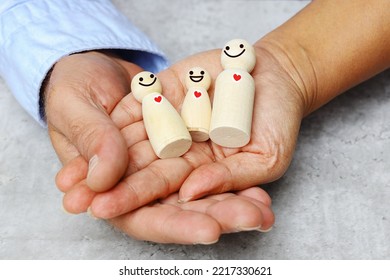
<point x="333" y="202"/>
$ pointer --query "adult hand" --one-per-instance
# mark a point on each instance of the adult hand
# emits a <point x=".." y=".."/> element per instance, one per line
<point x="80" y="93"/>
<point x="298" y="70"/>
<point x="201" y="221"/>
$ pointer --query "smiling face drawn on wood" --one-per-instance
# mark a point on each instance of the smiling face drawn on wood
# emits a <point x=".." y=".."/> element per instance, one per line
<point x="145" y="83"/>
<point x="198" y="77"/>
<point x="238" y="53"/>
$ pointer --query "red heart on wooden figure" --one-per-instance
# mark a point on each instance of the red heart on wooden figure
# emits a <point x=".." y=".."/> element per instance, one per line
<point x="197" y="94"/>
<point x="158" y="99"/>
<point x="237" y="77"/>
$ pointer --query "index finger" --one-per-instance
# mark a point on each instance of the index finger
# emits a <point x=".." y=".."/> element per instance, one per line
<point x="126" y="112"/>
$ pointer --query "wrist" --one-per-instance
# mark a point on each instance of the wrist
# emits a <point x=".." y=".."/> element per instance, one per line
<point x="42" y="95"/>
<point x="330" y="47"/>
<point x="294" y="66"/>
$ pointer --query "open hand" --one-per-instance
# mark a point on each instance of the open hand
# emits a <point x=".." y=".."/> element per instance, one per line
<point x="207" y="168"/>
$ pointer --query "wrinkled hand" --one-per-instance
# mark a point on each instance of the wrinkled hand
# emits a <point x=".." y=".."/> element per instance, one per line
<point x="80" y="93"/>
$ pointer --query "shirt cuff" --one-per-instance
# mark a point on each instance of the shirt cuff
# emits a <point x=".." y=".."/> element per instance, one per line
<point x="41" y="32"/>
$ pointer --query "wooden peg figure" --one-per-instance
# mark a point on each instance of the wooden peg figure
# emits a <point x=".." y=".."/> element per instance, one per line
<point x="231" y="119"/>
<point x="196" y="109"/>
<point x="166" y="130"/>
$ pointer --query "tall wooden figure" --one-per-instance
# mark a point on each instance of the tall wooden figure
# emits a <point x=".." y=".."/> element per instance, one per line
<point x="166" y="130"/>
<point x="196" y="109"/>
<point x="231" y="119"/>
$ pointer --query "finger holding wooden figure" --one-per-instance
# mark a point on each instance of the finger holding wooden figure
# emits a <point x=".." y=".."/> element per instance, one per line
<point x="231" y="119"/>
<point x="196" y="109"/>
<point x="166" y="130"/>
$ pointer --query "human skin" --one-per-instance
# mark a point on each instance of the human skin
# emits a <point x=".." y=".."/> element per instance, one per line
<point x="76" y="98"/>
<point x="322" y="51"/>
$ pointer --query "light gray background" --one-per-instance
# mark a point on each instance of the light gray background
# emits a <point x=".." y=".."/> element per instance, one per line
<point x="333" y="203"/>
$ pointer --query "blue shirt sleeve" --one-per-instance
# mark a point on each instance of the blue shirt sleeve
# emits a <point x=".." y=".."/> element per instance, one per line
<point x="35" y="34"/>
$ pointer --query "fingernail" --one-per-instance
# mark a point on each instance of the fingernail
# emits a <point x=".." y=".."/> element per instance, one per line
<point x="184" y="200"/>
<point x="265" y="230"/>
<point x="240" y="228"/>
<point x="93" y="162"/>
<point x="89" y="212"/>
<point x="206" y="242"/>
<point x="62" y="206"/>
<point x="65" y="211"/>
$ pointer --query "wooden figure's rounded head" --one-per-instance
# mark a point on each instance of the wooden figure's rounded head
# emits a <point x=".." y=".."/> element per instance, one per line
<point x="198" y="77"/>
<point x="238" y="53"/>
<point x="145" y="83"/>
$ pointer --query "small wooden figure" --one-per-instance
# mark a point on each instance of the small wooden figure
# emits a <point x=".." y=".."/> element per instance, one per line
<point x="231" y="119"/>
<point x="166" y="130"/>
<point x="196" y="109"/>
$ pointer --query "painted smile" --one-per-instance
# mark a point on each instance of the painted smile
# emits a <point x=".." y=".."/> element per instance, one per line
<point x="148" y="85"/>
<point x="196" y="79"/>
<point x="234" y="56"/>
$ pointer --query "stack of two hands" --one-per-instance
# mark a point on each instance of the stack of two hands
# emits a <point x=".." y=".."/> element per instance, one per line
<point x="110" y="170"/>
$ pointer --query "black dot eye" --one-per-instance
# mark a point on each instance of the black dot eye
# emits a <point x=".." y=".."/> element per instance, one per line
<point x="141" y="79"/>
<point x="202" y="72"/>
<point x="191" y="72"/>
<point x="241" y="46"/>
<point x="151" y="76"/>
<point x="227" y="48"/>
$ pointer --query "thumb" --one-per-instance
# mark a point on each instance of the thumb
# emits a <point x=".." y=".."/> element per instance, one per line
<point x="92" y="132"/>
<point x="107" y="155"/>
